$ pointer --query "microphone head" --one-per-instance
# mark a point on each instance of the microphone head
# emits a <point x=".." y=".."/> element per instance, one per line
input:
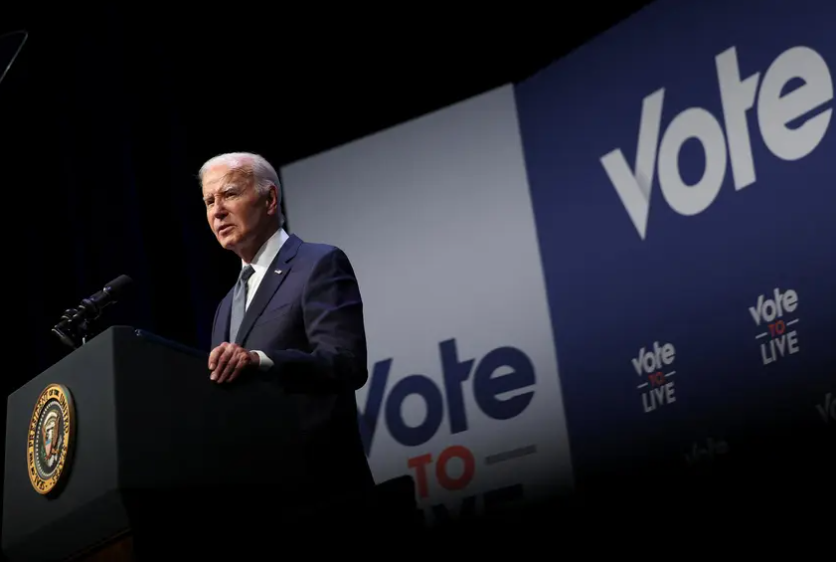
<point x="118" y="286"/>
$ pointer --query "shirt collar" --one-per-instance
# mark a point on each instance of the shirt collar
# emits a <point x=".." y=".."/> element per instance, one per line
<point x="268" y="251"/>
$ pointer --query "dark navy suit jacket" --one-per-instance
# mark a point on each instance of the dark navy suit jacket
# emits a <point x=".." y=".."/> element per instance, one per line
<point x="307" y="316"/>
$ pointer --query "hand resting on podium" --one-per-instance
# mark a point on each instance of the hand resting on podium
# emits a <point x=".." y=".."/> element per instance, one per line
<point x="229" y="360"/>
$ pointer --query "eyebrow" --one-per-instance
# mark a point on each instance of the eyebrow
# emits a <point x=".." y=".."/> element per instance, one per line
<point x="225" y="189"/>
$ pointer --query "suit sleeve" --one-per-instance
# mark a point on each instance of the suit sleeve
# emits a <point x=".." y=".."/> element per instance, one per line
<point x="213" y="338"/>
<point x="333" y="317"/>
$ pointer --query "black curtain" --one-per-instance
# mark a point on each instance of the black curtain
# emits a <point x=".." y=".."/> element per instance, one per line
<point x="105" y="124"/>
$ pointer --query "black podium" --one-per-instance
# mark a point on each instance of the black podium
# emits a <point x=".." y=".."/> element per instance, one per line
<point x="151" y="449"/>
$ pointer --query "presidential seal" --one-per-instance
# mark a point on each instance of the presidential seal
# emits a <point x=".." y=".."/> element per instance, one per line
<point x="50" y="438"/>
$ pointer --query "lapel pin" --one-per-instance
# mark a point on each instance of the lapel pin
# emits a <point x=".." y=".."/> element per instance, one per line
<point x="279" y="271"/>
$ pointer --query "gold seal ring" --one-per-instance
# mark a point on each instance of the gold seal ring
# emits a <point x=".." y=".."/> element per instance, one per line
<point x="50" y="439"/>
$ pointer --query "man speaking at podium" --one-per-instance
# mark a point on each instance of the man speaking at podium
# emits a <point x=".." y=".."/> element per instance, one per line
<point x="295" y="318"/>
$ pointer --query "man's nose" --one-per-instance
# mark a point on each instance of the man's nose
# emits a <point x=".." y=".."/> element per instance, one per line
<point x="218" y="210"/>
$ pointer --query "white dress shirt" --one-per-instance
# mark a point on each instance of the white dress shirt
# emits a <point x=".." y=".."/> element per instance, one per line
<point x="261" y="263"/>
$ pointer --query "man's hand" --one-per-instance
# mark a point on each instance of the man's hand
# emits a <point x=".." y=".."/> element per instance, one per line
<point x="228" y="360"/>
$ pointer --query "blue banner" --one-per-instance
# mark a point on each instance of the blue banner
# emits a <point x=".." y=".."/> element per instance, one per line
<point x="682" y="170"/>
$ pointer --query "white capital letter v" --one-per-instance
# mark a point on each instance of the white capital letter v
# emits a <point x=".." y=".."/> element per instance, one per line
<point x="634" y="188"/>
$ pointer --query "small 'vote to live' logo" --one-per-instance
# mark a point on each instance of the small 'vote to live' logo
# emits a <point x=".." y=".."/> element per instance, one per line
<point x="776" y="315"/>
<point x="827" y="409"/>
<point x="655" y="367"/>
<point x="707" y="452"/>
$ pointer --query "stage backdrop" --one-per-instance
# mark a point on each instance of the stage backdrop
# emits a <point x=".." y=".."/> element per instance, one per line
<point x="641" y="237"/>
<point x="436" y="217"/>
<point x="682" y="172"/>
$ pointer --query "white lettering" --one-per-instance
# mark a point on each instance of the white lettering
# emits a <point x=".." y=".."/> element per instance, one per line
<point x="658" y="397"/>
<point x="634" y="188"/>
<point x="779" y="347"/>
<point x="668" y="354"/>
<point x="767" y="310"/>
<point x="737" y="97"/>
<point x="792" y="342"/>
<point x="653" y="360"/>
<point x="775" y="111"/>
<point x="767" y="359"/>
<point x="701" y="125"/>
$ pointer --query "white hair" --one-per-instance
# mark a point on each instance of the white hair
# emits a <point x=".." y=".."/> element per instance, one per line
<point x="263" y="173"/>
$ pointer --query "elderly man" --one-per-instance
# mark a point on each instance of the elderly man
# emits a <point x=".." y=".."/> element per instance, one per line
<point x="294" y="317"/>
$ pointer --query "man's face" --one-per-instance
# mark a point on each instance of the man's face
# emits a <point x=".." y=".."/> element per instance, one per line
<point x="239" y="216"/>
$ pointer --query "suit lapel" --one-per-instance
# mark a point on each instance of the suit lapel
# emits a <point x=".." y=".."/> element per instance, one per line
<point x="222" y="329"/>
<point x="269" y="285"/>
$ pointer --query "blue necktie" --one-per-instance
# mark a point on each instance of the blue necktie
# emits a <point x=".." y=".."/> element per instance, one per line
<point x="239" y="302"/>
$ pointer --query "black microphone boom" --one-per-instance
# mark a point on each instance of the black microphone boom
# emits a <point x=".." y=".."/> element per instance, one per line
<point x="74" y="324"/>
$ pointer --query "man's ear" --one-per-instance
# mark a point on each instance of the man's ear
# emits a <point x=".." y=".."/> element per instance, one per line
<point x="273" y="201"/>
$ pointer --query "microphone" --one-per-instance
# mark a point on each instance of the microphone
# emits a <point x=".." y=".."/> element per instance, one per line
<point x="73" y="326"/>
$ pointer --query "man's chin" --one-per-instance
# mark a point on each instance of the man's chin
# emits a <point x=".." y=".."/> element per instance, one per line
<point x="228" y="242"/>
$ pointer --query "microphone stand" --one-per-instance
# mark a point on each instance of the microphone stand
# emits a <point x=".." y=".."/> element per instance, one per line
<point x="73" y="329"/>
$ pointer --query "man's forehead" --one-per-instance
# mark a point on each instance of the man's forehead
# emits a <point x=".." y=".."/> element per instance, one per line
<point x="222" y="177"/>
